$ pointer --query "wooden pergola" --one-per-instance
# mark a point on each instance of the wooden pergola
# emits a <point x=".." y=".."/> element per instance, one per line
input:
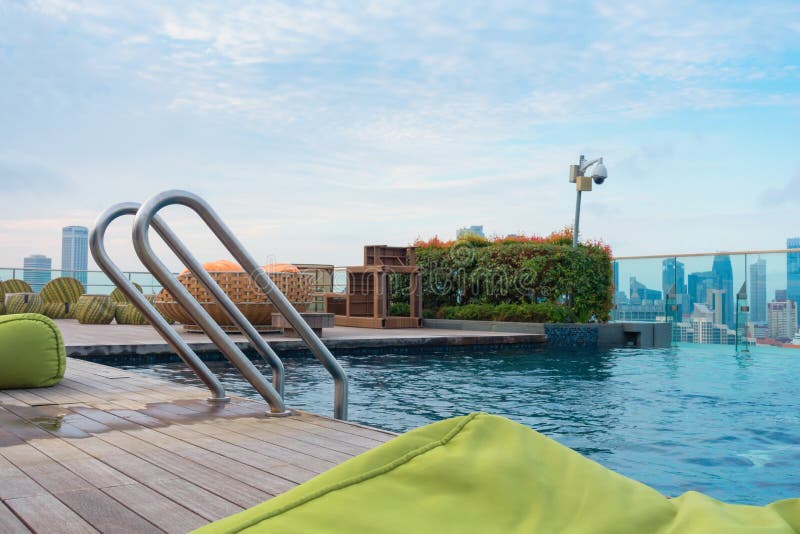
<point x="366" y="301"/>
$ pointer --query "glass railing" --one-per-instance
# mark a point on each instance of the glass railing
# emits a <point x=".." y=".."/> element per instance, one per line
<point x="747" y="299"/>
<point x="95" y="282"/>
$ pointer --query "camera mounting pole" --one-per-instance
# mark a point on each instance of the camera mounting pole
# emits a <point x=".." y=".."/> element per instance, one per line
<point x="584" y="183"/>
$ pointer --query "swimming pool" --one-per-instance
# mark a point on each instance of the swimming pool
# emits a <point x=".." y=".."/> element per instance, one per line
<point x="696" y="417"/>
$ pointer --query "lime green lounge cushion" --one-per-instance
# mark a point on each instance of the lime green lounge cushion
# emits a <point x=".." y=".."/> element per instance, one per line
<point x="32" y="352"/>
<point x="483" y="473"/>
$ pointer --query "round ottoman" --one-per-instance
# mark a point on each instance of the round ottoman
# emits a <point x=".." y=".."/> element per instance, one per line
<point x="95" y="309"/>
<point x="23" y="303"/>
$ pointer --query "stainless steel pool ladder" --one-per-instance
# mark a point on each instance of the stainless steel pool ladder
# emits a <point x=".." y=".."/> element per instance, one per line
<point x="146" y="215"/>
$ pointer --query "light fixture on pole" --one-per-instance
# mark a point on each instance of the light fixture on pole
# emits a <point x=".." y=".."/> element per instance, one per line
<point x="577" y="176"/>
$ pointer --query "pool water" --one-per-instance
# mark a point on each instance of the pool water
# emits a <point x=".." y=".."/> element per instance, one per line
<point x="694" y="418"/>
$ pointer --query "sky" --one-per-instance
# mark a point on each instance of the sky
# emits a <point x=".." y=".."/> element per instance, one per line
<point x="315" y="128"/>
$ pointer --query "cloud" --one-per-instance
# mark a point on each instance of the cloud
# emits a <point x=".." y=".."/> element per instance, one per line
<point x="24" y="177"/>
<point x="789" y="193"/>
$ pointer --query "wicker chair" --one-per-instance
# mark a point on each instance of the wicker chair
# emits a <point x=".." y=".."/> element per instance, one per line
<point x="12" y="286"/>
<point x="248" y="297"/>
<point x="60" y="296"/>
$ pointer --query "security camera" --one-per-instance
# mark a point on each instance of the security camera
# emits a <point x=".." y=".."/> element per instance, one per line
<point x="600" y="174"/>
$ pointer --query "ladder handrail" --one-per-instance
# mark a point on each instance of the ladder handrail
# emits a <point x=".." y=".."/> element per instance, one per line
<point x="141" y="225"/>
<point x="228" y="306"/>
<point x="103" y="260"/>
<point x="223" y="342"/>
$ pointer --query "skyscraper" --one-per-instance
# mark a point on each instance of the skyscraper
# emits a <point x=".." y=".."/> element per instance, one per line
<point x="37" y="271"/>
<point x="672" y="273"/>
<point x="723" y="273"/>
<point x="782" y="317"/>
<point x="75" y="252"/>
<point x="793" y="270"/>
<point x="699" y="284"/>
<point x="758" y="291"/>
<point x="639" y="292"/>
<point x="475" y="230"/>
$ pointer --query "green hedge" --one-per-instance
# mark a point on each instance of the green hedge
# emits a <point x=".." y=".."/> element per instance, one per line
<point x="525" y="313"/>
<point x="576" y="283"/>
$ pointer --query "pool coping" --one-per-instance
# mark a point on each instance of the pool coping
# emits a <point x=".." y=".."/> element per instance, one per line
<point x="85" y="351"/>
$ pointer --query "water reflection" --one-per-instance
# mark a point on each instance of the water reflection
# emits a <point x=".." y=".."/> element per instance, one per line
<point x="678" y="419"/>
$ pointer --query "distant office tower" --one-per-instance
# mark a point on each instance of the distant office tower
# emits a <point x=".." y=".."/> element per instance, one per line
<point x="639" y="292"/>
<point x="37" y="270"/>
<point x="74" y="252"/>
<point x="780" y="295"/>
<point x="673" y="282"/>
<point x="723" y="272"/>
<point x="615" y="268"/>
<point x="717" y="300"/>
<point x="793" y="270"/>
<point x="470" y="230"/>
<point x="758" y="291"/>
<point x="699" y="284"/>
<point x="673" y="273"/>
<point x="782" y="319"/>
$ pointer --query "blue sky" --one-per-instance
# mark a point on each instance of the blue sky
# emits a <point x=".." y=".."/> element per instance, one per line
<point x="318" y="127"/>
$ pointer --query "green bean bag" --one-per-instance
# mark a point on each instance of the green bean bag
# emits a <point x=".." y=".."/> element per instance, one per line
<point x="483" y="473"/>
<point x="32" y="352"/>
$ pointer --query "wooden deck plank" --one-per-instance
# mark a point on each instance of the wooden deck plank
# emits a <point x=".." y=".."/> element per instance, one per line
<point x="45" y="513"/>
<point x="9" y="523"/>
<point x="201" y="501"/>
<point x="105" y="513"/>
<point x="164" y="513"/>
<point x="114" y="451"/>
<point x="15" y="483"/>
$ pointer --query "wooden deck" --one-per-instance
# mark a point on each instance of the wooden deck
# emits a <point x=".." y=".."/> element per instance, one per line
<point x="116" y="451"/>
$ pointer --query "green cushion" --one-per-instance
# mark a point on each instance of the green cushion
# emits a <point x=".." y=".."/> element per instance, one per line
<point x="32" y="352"/>
<point x="483" y="473"/>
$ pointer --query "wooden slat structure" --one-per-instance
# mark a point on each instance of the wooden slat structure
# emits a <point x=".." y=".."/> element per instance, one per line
<point x="366" y="302"/>
<point x="112" y="450"/>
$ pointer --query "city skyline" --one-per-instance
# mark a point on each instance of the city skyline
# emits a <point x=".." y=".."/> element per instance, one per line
<point x="412" y="117"/>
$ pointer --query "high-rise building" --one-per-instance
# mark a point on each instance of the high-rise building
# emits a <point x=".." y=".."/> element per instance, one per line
<point x="37" y="270"/>
<point x="782" y="319"/>
<point x="673" y="273"/>
<point x="793" y="270"/>
<point x="673" y="282"/>
<point x="699" y="284"/>
<point x="723" y="273"/>
<point x="718" y="302"/>
<point x="470" y="230"/>
<point x="75" y="252"/>
<point x="639" y="292"/>
<point x="615" y="269"/>
<point x="758" y="291"/>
